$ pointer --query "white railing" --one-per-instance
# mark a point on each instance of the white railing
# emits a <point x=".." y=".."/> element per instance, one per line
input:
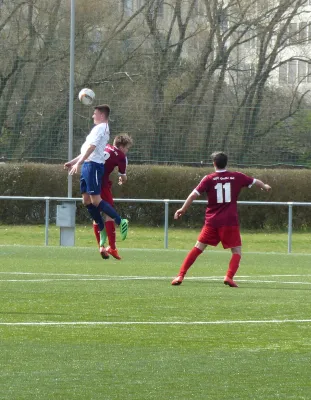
<point x="166" y="203"/>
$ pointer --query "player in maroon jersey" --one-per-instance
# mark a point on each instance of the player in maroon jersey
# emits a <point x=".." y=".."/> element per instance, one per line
<point x="115" y="156"/>
<point x="221" y="218"/>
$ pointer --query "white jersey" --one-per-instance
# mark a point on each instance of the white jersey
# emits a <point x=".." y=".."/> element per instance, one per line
<point x="99" y="137"/>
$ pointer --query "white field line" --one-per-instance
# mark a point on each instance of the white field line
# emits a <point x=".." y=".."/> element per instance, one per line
<point x="103" y="323"/>
<point x="146" y="277"/>
<point x="149" y="278"/>
<point x="65" y="248"/>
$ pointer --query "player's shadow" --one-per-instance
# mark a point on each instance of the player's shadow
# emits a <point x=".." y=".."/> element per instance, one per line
<point x="271" y="288"/>
<point x="242" y="286"/>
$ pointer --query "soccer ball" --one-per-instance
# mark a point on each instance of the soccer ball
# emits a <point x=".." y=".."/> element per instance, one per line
<point x="86" y="96"/>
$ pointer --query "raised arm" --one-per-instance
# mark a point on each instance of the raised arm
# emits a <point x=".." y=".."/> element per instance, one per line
<point x="262" y="186"/>
<point x="181" y="211"/>
<point x="69" y="164"/>
<point x="122" y="165"/>
<point x="81" y="159"/>
<point x="122" y="179"/>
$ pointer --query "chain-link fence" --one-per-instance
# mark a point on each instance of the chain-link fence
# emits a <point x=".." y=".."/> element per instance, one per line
<point x="183" y="77"/>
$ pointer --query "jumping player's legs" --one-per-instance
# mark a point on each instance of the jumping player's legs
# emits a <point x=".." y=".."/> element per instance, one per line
<point x="109" y="222"/>
<point x="96" y="232"/>
<point x="96" y="216"/>
<point x="106" y="208"/>
<point x="111" y="231"/>
<point x="89" y="183"/>
<point x="91" y="178"/>
<point x="106" y="194"/>
<point x="93" y="211"/>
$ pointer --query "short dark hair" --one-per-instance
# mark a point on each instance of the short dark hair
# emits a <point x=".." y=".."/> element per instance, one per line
<point x="103" y="108"/>
<point x="220" y="159"/>
<point x="123" y="140"/>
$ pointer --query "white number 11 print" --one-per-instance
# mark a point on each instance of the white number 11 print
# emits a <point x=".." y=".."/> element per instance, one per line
<point x="220" y="188"/>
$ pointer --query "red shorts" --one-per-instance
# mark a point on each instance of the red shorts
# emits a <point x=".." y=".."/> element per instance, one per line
<point x="229" y="236"/>
<point x="106" y="195"/>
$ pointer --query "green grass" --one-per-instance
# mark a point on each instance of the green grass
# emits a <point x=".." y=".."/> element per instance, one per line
<point x="225" y="360"/>
<point x="153" y="238"/>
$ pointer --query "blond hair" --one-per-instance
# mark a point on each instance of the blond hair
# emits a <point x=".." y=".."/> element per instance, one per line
<point x="123" y="140"/>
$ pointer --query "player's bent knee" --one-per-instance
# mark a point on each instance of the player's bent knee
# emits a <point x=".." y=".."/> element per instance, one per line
<point x="86" y="199"/>
<point x="201" y="246"/>
<point x="236" y="250"/>
<point x="95" y="200"/>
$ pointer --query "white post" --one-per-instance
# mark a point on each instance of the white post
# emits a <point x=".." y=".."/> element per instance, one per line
<point x="290" y="227"/>
<point x="67" y="233"/>
<point x="47" y="220"/>
<point x="71" y="89"/>
<point x="166" y="202"/>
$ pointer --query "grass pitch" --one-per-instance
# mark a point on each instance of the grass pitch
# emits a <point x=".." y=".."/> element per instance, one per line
<point x="74" y="326"/>
<point x="153" y="238"/>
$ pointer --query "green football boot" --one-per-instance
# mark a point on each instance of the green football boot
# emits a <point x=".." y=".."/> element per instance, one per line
<point x="124" y="226"/>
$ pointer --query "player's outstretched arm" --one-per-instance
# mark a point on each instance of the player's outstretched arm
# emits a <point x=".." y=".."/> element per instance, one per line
<point x="262" y="186"/>
<point x="71" y="163"/>
<point x="181" y="211"/>
<point x="122" y="179"/>
<point x="81" y="159"/>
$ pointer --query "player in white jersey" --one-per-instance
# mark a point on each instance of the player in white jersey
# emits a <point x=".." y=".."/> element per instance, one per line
<point x="92" y="159"/>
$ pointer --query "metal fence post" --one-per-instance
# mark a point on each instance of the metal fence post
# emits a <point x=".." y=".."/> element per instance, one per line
<point x="166" y="213"/>
<point x="290" y="227"/>
<point x="166" y="203"/>
<point x="71" y="87"/>
<point x="47" y="220"/>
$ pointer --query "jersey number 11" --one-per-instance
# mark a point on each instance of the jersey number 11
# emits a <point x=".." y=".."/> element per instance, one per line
<point x="220" y="189"/>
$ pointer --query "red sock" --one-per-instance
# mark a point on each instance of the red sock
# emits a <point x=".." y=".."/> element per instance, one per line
<point x="96" y="232"/>
<point x="189" y="260"/>
<point x="233" y="265"/>
<point x="111" y="233"/>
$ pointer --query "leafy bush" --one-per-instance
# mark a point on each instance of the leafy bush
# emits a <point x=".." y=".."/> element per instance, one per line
<point x="153" y="182"/>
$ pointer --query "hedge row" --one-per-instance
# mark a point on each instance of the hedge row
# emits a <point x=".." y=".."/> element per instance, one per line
<point x="153" y="182"/>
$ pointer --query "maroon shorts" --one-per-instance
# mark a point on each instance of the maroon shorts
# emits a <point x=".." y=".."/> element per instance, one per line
<point x="106" y="195"/>
<point x="229" y="236"/>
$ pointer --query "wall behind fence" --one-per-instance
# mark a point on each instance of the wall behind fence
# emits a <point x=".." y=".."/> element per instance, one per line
<point x="154" y="182"/>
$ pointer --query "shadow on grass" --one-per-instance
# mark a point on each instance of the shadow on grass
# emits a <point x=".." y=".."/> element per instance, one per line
<point x="272" y="288"/>
<point x="208" y="283"/>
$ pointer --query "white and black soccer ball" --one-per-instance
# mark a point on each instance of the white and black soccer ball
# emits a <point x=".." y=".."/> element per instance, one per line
<point x="86" y="96"/>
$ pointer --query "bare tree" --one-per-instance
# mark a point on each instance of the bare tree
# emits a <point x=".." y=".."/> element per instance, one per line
<point x="98" y="29"/>
<point x="199" y="74"/>
<point x="227" y="28"/>
<point x="273" y="44"/>
<point x="20" y="53"/>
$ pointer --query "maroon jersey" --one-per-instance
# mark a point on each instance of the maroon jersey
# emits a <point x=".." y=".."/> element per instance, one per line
<point x="223" y="189"/>
<point x="114" y="157"/>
